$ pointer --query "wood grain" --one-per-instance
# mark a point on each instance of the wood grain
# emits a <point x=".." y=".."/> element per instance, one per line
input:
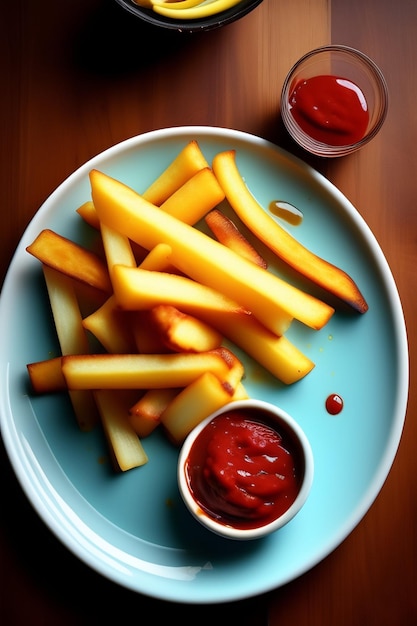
<point x="80" y="77"/>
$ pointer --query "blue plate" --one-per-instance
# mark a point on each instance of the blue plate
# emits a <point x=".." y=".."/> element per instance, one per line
<point x="133" y="527"/>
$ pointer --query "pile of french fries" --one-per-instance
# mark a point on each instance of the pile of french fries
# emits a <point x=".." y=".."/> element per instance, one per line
<point x="163" y="296"/>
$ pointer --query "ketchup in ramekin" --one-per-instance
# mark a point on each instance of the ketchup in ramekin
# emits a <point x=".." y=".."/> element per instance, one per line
<point x="334" y="100"/>
<point x="331" y="109"/>
<point x="246" y="470"/>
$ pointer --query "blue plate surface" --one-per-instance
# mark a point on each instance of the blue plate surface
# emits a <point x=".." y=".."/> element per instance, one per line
<point x="133" y="528"/>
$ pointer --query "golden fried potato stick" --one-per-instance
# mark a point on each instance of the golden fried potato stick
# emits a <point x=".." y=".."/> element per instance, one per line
<point x="126" y="449"/>
<point x="117" y="249"/>
<point x="277" y="354"/>
<point x="71" y="336"/>
<point x="226" y="231"/>
<point x="316" y="269"/>
<point x="181" y="332"/>
<point x="112" y="328"/>
<point x="140" y="371"/>
<point x="71" y="259"/>
<point x="187" y="163"/>
<point x="196" y="402"/>
<point x="88" y="212"/>
<point x="145" y="414"/>
<point x="195" y="197"/>
<point x="236" y="369"/>
<point x="158" y="259"/>
<point x="46" y="376"/>
<point x="137" y="289"/>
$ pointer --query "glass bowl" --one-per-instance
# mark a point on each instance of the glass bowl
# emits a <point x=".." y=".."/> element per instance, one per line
<point x="318" y="120"/>
<point x="215" y="456"/>
<point x="190" y="25"/>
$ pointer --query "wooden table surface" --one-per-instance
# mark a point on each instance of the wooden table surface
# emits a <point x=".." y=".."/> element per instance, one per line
<point x="80" y="76"/>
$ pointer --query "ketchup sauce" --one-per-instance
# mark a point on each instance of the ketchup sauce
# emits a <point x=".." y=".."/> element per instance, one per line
<point x="334" y="404"/>
<point x="243" y="472"/>
<point x="330" y="109"/>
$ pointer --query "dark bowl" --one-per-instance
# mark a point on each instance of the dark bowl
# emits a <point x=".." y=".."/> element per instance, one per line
<point x="208" y="23"/>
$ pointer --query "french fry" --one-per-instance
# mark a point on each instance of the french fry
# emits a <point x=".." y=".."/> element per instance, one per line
<point x="125" y="446"/>
<point x="46" y="376"/>
<point x="140" y="371"/>
<point x="71" y="336"/>
<point x="274" y="301"/>
<point x="158" y="259"/>
<point x="234" y="377"/>
<point x="111" y="327"/>
<point x="66" y="313"/>
<point x="145" y="414"/>
<point x="195" y="197"/>
<point x="189" y="161"/>
<point x="277" y="354"/>
<point x="181" y="332"/>
<point x="89" y="214"/>
<point x="85" y="408"/>
<point x="194" y="403"/>
<point x="71" y="259"/>
<point x="147" y="341"/>
<point x="316" y="269"/>
<point x="226" y="231"/>
<point x="117" y="249"/>
<point x="138" y="289"/>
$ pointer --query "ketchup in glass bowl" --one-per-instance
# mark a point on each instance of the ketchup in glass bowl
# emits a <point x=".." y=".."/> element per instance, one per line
<point x="334" y="100"/>
<point x="246" y="470"/>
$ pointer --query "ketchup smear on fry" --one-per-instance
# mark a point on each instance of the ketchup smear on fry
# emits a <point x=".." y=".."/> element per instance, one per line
<point x="243" y="472"/>
<point x="330" y="109"/>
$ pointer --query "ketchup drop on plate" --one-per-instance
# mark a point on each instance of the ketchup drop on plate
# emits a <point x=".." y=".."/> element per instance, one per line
<point x="334" y="404"/>
<point x="330" y="109"/>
